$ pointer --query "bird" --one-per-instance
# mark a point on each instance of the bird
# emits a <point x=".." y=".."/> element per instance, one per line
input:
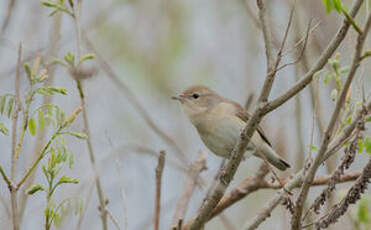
<point x="219" y="122"/>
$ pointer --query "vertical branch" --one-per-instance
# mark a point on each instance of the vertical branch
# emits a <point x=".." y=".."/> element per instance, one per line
<point x="193" y="173"/>
<point x="134" y="101"/>
<point x="102" y="202"/>
<point x="8" y="16"/>
<point x="159" y="171"/>
<point x="13" y="190"/>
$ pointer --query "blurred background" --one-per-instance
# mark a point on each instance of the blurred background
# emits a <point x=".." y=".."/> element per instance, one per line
<point x="157" y="48"/>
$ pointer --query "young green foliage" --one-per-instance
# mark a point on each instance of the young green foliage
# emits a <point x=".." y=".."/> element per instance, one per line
<point x="59" y="6"/>
<point x="59" y="156"/>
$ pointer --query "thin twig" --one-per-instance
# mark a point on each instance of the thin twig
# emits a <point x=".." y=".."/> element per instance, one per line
<point x="13" y="191"/>
<point x="113" y="219"/>
<point x="130" y="96"/>
<point x="101" y="198"/>
<point x="191" y="181"/>
<point x="8" y="16"/>
<point x="159" y="171"/>
<point x="301" y="53"/>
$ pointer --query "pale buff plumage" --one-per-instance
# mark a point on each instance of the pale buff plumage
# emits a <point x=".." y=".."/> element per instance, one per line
<point x="219" y="122"/>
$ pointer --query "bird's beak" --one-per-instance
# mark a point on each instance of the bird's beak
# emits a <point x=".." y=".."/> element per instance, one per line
<point x="178" y="97"/>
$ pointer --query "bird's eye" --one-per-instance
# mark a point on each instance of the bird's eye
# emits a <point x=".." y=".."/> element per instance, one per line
<point x="195" y="95"/>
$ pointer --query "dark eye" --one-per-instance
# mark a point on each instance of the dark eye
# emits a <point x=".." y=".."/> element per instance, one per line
<point x="195" y="95"/>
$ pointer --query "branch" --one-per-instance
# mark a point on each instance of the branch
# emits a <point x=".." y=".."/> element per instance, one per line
<point x="353" y="195"/>
<point x="8" y="16"/>
<point x="13" y="163"/>
<point x="190" y="184"/>
<point x="296" y="219"/>
<point x="130" y="96"/>
<point x="159" y="171"/>
<point x="102" y="201"/>
<point x="113" y="219"/>
<point x="322" y="60"/>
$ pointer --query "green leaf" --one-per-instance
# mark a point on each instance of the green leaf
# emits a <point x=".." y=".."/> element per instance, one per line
<point x="86" y="57"/>
<point x="10" y="106"/>
<point x="48" y="3"/>
<point x="349" y="119"/>
<point x="4" y="129"/>
<point x="78" y="135"/>
<point x="35" y="188"/>
<point x="344" y="69"/>
<point x="60" y="115"/>
<point x="363" y="211"/>
<point x="71" y="160"/>
<point x="368" y="119"/>
<point x="360" y="146"/>
<point x="2" y="104"/>
<point x="28" y="71"/>
<point x="41" y="119"/>
<point x="51" y="14"/>
<point x="70" y="58"/>
<point x="32" y="126"/>
<point x="58" y="61"/>
<point x="67" y="180"/>
<point x="367" y="145"/>
<point x="334" y="94"/>
<point x="314" y="148"/>
<point x="337" y="5"/>
<point x="327" y="78"/>
<point x="329" y="4"/>
<point x="49" y="90"/>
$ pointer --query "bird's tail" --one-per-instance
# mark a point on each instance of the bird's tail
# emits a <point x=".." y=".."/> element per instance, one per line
<point x="273" y="158"/>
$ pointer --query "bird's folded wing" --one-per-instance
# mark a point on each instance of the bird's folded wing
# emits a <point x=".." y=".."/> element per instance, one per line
<point x="245" y="116"/>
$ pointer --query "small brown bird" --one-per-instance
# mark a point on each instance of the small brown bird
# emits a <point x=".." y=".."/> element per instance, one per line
<point x="219" y="122"/>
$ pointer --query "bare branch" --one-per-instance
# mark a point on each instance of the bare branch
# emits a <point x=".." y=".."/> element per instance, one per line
<point x="159" y="171"/>
<point x="193" y="174"/>
<point x="101" y="198"/>
<point x="301" y="53"/>
<point x="8" y="16"/>
<point x="113" y="219"/>
<point x="134" y="100"/>
<point x="13" y="190"/>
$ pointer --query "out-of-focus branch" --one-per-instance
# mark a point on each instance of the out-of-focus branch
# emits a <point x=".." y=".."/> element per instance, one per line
<point x="190" y="184"/>
<point x="159" y="171"/>
<point x="296" y="220"/>
<point x="134" y="100"/>
<point x="8" y="16"/>
<point x="113" y="219"/>
<point x="256" y="22"/>
<point x="13" y="190"/>
<point x="101" y="198"/>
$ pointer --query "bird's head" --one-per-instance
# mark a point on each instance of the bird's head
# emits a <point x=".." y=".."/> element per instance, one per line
<point x="197" y="99"/>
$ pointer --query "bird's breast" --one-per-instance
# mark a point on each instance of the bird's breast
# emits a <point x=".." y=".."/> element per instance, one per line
<point x="220" y="133"/>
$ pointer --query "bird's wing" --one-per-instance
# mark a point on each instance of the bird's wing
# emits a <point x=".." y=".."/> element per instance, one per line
<point x="245" y="116"/>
